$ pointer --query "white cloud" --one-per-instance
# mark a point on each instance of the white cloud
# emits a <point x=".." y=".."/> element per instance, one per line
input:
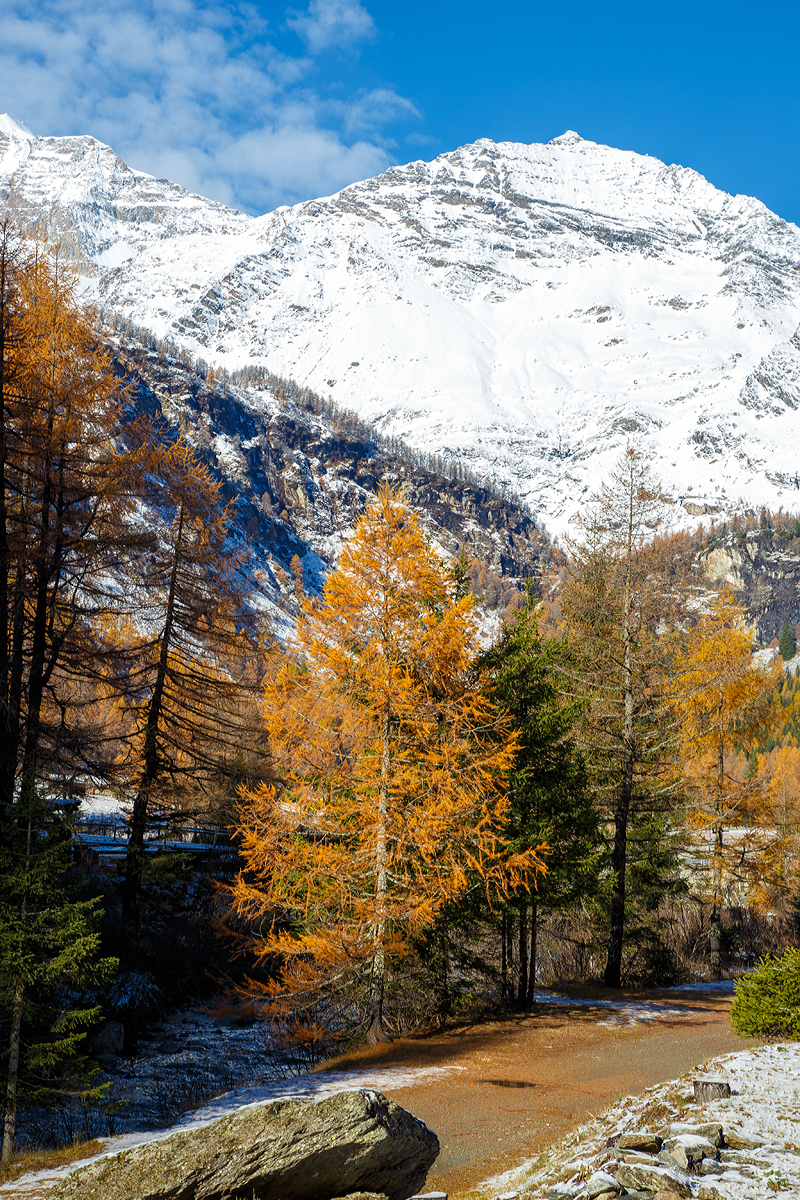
<point x="198" y="92"/>
<point x="329" y="23"/>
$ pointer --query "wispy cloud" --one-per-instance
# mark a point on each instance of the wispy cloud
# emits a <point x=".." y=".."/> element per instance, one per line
<point x="200" y="92"/>
<point x="332" y="23"/>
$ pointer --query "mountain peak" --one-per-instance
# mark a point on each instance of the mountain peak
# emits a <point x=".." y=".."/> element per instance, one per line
<point x="12" y="128"/>
<point x="568" y="138"/>
<point x="531" y="320"/>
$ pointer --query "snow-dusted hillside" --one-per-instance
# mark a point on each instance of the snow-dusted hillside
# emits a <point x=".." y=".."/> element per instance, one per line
<point x="529" y="308"/>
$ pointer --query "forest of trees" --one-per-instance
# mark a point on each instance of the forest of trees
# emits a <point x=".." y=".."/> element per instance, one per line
<point x="432" y="810"/>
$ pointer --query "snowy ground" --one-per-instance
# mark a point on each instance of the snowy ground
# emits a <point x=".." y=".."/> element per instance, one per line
<point x="764" y="1108"/>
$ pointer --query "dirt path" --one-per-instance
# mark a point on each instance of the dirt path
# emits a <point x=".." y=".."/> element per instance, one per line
<point x="525" y="1082"/>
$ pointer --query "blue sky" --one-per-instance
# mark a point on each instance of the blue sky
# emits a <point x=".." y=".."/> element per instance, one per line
<point x="268" y="103"/>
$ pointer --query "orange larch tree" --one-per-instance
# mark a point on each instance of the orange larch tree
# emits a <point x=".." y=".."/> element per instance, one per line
<point x="724" y="701"/>
<point x="393" y="764"/>
<point x="196" y="657"/>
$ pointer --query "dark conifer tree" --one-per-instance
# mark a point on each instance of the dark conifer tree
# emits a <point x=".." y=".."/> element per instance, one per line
<point x="550" y="797"/>
<point x="788" y="643"/>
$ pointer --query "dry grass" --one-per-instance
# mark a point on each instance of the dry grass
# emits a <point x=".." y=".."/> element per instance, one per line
<point x="48" y="1160"/>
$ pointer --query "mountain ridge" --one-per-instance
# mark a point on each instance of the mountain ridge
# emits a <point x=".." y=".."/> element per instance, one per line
<point x="526" y="310"/>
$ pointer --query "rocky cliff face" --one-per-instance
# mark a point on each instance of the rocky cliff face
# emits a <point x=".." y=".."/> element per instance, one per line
<point x="302" y="478"/>
<point x="764" y="574"/>
<point x="526" y="310"/>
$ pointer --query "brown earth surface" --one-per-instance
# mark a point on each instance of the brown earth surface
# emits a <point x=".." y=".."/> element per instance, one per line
<point x="527" y="1081"/>
<point x="520" y="1084"/>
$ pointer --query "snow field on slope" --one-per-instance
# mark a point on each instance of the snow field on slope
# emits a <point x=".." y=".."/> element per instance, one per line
<point x="529" y="309"/>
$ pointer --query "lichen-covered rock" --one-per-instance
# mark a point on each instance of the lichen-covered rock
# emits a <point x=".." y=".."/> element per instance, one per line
<point x="654" y="1178"/>
<point x="736" y="1139"/>
<point x="711" y="1130"/>
<point x="688" y="1150"/>
<point x="639" y="1140"/>
<point x="599" y="1184"/>
<point x="283" y="1150"/>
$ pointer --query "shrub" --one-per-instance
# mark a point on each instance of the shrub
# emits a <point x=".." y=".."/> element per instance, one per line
<point x="767" y="1001"/>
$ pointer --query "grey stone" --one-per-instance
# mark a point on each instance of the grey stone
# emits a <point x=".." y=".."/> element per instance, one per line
<point x="282" y="1150"/>
<point x="169" y="1045"/>
<point x="674" y="1162"/>
<point x="735" y="1139"/>
<point x="687" y="1149"/>
<point x="738" y="1158"/>
<point x="653" y="1178"/>
<point x="598" y="1184"/>
<point x="108" y="1040"/>
<point x="109" y="1062"/>
<point x="634" y="1156"/>
<point x="639" y="1140"/>
<point x="711" y="1130"/>
<point x="711" y="1089"/>
<point x="195" y="1046"/>
<point x="710" y="1166"/>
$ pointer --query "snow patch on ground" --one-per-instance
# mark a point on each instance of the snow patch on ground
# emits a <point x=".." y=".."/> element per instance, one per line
<point x="764" y="1104"/>
<point x="635" y="1012"/>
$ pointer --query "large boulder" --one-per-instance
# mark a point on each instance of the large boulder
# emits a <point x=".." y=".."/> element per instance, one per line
<point x="283" y="1150"/>
<point x="653" y="1178"/>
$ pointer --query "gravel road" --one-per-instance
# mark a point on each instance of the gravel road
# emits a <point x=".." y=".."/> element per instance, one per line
<point x="526" y="1082"/>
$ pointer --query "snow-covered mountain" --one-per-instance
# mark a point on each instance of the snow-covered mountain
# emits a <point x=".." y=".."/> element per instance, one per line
<point x="530" y="309"/>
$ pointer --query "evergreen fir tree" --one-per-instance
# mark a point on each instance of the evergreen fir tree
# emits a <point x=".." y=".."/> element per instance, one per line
<point x="48" y="958"/>
<point x="788" y="643"/>
<point x="549" y="797"/>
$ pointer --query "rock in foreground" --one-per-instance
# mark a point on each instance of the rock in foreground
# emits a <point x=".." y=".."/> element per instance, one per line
<point x="284" y="1150"/>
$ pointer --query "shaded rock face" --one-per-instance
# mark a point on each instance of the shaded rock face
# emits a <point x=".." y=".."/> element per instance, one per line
<point x="764" y="574"/>
<point x="285" y="1150"/>
<point x="301" y="479"/>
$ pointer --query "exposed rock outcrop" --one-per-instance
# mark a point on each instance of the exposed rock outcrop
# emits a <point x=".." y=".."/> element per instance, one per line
<point x="763" y="572"/>
<point x="285" y="1150"/>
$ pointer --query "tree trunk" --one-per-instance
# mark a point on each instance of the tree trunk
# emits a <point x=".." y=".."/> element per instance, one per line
<point x="715" y="925"/>
<point x="7" y="732"/>
<point x="376" y="1032"/>
<point x="509" y="951"/>
<point x="619" y="855"/>
<point x="444" y="1000"/>
<point x="530" y="998"/>
<point x="134" y="856"/>
<point x="12" y="1079"/>
<point x="503" y="962"/>
<point x="15" y="1038"/>
<point x="522" y="990"/>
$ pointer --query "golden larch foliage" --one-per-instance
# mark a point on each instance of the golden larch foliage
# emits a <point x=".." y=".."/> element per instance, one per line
<point x="393" y="763"/>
